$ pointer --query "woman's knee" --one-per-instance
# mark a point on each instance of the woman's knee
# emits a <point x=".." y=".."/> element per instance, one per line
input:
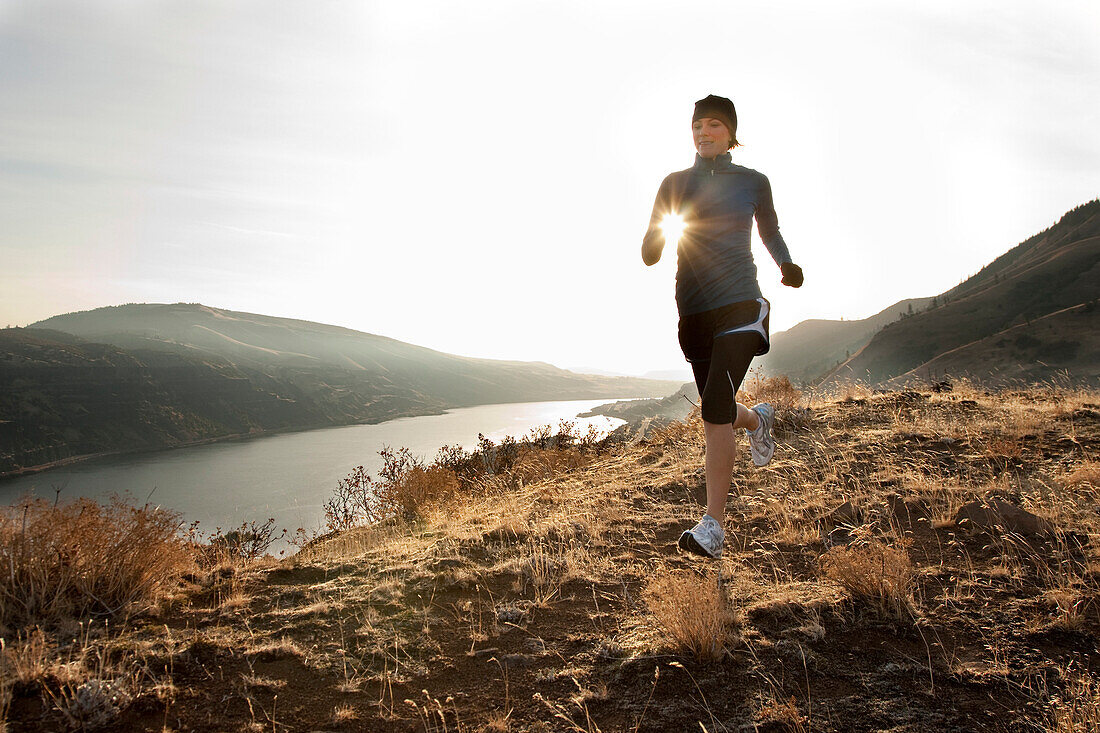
<point x="718" y="406"/>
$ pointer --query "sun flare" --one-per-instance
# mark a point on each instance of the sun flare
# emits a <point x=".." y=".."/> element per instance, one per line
<point x="673" y="226"/>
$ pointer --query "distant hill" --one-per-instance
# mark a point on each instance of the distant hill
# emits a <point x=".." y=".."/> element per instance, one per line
<point x="679" y="375"/>
<point x="595" y="370"/>
<point x="150" y="376"/>
<point x="810" y="349"/>
<point x="1029" y="314"/>
<point x="1028" y="352"/>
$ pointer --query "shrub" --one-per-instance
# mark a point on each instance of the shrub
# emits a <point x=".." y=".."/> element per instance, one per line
<point x="350" y="503"/>
<point x="404" y="487"/>
<point x="534" y="464"/>
<point x="418" y="488"/>
<point x="876" y="574"/>
<point x="249" y="542"/>
<point x="497" y="458"/>
<point x="694" y="611"/>
<point x="66" y="560"/>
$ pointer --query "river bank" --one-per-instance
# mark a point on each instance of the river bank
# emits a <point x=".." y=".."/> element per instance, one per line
<point x="288" y="475"/>
<point x="228" y="438"/>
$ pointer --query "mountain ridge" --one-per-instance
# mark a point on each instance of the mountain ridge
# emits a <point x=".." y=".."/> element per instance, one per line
<point x="1054" y="270"/>
<point x="151" y="376"/>
<point x="810" y="348"/>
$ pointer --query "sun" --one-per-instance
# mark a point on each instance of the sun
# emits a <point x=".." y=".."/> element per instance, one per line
<point x="673" y="225"/>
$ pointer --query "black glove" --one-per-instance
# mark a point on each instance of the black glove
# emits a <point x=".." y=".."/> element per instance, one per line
<point x="792" y="274"/>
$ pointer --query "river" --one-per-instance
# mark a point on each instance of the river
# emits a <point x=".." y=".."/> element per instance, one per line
<point x="287" y="476"/>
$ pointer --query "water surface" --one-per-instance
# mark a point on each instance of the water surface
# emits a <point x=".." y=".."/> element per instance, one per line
<point x="286" y="476"/>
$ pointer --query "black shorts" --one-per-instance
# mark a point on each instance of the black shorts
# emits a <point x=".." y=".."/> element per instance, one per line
<point x="720" y="344"/>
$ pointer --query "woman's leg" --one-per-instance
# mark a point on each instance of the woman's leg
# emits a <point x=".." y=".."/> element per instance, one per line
<point x="722" y="414"/>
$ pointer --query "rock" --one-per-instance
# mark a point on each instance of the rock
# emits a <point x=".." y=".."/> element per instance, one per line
<point x="838" y="536"/>
<point x="846" y="513"/>
<point x="511" y="613"/>
<point x="908" y="510"/>
<point x="996" y="512"/>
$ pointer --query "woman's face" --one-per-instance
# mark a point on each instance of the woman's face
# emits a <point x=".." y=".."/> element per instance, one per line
<point x="711" y="136"/>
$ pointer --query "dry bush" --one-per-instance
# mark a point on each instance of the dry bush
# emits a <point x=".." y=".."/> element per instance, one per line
<point x="678" y="434"/>
<point x="27" y="658"/>
<point x="66" y="560"/>
<point x="247" y="543"/>
<point x="876" y="574"/>
<point x="421" y="487"/>
<point x="95" y="702"/>
<point x="778" y="391"/>
<point x="89" y="682"/>
<point x="534" y="463"/>
<point x="404" y="487"/>
<point x="851" y="391"/>
<point x="694" y="611"/>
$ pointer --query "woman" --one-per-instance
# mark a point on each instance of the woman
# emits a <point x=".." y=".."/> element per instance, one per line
<point x="723" y="316"/>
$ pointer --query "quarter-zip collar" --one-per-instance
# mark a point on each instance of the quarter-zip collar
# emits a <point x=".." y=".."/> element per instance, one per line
<point x="709" y="166"/>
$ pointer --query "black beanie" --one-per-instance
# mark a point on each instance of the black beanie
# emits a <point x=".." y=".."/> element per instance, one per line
<point x="720" y="109"/>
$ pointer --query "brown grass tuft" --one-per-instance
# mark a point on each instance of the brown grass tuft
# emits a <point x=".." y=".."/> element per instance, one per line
<point x="694" y="611"/>
<point x="782" y="715"/>
<point x="779" y="391"/>
<point x="876" y="574"/>
<point x="67" y="560"/>
<point x="1087" y="474"/>
<point x="1078" y="709"/>
<point x="27" y="658"/>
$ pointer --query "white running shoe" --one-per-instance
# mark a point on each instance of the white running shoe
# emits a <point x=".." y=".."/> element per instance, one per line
<point x="761" y="442"/>
<point x="705" y="538"/>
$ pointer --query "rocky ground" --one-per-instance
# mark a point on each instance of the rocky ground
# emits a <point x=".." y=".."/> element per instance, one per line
<point x="909" y="561"/>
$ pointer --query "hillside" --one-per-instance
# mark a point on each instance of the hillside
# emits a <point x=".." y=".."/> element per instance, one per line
<point x="285" y="347"/>
<point x="909" y="561"/>
<point x="1026" y="353"/>
<point x="62" y="397"/>
<point x="1054" y="270"/>
<point x="810" y="349"/>
<point x="143" y="377"/>
<point x="642" y="416"/>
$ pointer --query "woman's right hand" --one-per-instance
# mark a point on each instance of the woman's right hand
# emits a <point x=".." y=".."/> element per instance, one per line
<point x="792" y="274"/>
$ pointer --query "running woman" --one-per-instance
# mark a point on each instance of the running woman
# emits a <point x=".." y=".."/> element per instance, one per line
<point x="723" y="315"/>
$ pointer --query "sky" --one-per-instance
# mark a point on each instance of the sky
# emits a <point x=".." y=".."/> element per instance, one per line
<point x="476" y="177"/>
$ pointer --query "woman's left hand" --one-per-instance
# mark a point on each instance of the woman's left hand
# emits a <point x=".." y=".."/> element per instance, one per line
<point x="792" y="274"/>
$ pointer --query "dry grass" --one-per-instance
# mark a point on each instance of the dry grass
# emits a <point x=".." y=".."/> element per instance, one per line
<point x="66" y="560"/>
<point x="783" y="715"/>
<point x="877" y="575"/>
<point x="27" y="658"/>
<point x="777" y="390"/>
<point x="694" y="612"/>
<point x="545" y="592"/>
<point x="1077" y="709"/>
<point x="1085" y="475"/>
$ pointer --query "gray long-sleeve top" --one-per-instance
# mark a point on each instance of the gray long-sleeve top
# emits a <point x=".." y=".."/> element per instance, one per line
<point x="718" y="201"/>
